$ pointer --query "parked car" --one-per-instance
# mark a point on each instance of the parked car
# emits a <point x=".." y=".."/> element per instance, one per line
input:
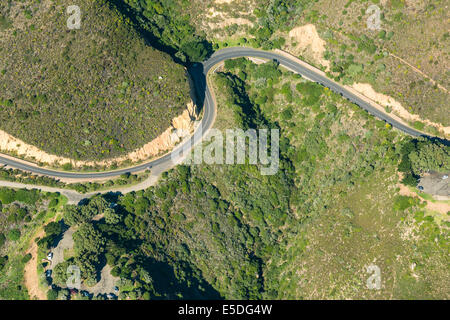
<point x="444" y="177"/>
<point x="50" y="256"/>
<point x="48" y="273"/>
<point x="420" y="188"/>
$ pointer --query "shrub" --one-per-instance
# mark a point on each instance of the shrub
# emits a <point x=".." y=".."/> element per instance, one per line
<point x="287" y="114"/>
<point x="2" y="240"/>
<point x="410" y="180"/>
<point x="27" y="258"/>
<point x="53" y="203"/>
<point x="52" y="294"/>
<point x="14" y="235"/>
<point x="402" y="203"/>
<point x="3" y="261"/>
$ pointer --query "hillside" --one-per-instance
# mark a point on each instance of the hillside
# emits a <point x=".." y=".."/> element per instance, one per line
<point x="90" y="94"/>
<point x="307" y="232"/>
<point x="406" y="58"/>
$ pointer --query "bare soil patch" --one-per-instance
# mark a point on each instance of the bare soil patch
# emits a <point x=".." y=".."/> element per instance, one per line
<point x="30" y="272"/>
<point x="181" y="127"/>
<point x="305" y="40"/>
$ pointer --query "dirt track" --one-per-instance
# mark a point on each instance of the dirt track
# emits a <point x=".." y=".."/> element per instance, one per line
<point x="30" y="272"/>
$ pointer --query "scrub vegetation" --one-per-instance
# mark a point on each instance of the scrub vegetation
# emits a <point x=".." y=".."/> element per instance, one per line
<point x="308" y="231"/>
<point x="88" y="94"/>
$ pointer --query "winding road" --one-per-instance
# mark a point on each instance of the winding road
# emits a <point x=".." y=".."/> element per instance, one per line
<point x="199" y="72"/>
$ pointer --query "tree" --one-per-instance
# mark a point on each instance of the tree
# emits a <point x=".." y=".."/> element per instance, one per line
<point x="195" y="50"/>
<point x="410" y="180"/>
<point x="60" y="274"/>
<point x="14" y="234"/>
<point x="27" y="258"/>
<point x="88" y="239"/>
<point x="52" y="294"/>
<point x="3" y="261"/>
<point x="74" y="215"/>
<point x="111" y="216"/>
<point x="64" y="294"/>
<point x="430" y="157"/>
<point x="53" y="228"/>
<point x="2" y="240"/>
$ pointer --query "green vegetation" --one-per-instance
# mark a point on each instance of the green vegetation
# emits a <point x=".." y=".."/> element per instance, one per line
<point x="422" y="156"/>
<point x="22" y="212"/>
<point x="89" y="94"/>
<point x="226" y="231"/>
<point x="16" y="175"/>
<point x="410" y="32"/>
<point x="168" y="23"/>
<point x="308" y="231"/>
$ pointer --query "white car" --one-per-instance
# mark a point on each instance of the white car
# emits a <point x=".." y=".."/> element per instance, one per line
<point x="50" y="256"/>
<point x="444" y="177"/>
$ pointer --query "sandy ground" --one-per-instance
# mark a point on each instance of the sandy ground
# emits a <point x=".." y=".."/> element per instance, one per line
<point x="307" y="40"/>
<point x="367" y="90"/>
<point x="30" y="275"/>
<point x="181" y="126"/>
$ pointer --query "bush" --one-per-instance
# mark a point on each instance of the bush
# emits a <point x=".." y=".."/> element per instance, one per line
<point x="115" y="272"/>
<point x="52" y="294"/>
<point x="410" y="180"/>
<point x="52" y="228"/>
<point x="7" y="195"/>
<point x="402" y="203"/>
<point x="27" y="258"/>
<point x="2" y="240"/>
<point x="67" y="166"/>
<point x="53" y="203"/>
<point x="14" y="235"/>
<point x="287" y="114"/>
<point x="3" y="261"/>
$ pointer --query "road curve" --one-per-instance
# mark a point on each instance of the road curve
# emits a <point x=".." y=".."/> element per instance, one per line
<point x="198" y="73"/>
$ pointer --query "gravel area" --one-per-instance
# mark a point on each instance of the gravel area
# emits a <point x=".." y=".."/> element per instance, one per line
<point x="433" y="184"/>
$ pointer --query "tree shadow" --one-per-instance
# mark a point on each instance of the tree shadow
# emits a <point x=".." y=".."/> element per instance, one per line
<point x="190" y="286"/>
<point x="198" y="76"/>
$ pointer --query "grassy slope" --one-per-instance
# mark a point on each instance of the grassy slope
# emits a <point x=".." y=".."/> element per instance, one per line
<point x="418" y="37"/>
<point x="266" y="237"/>
<point x="91" y="93"/>
<point x="346" y="209"/>
<point x="307" y="232"/>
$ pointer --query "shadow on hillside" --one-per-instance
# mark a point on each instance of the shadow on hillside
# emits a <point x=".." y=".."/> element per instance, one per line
<point x="191" y="286"/>
<point x="149" y="38"/>
<point x="197" y="73"/>
<point x="195" y="70"/>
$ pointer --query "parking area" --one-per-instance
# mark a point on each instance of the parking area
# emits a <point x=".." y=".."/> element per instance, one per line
<point x="107" y="283"/>
<point x="436" y="184"/>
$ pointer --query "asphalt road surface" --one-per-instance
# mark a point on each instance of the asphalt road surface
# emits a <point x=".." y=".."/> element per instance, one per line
<point x="198" y="73"/>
